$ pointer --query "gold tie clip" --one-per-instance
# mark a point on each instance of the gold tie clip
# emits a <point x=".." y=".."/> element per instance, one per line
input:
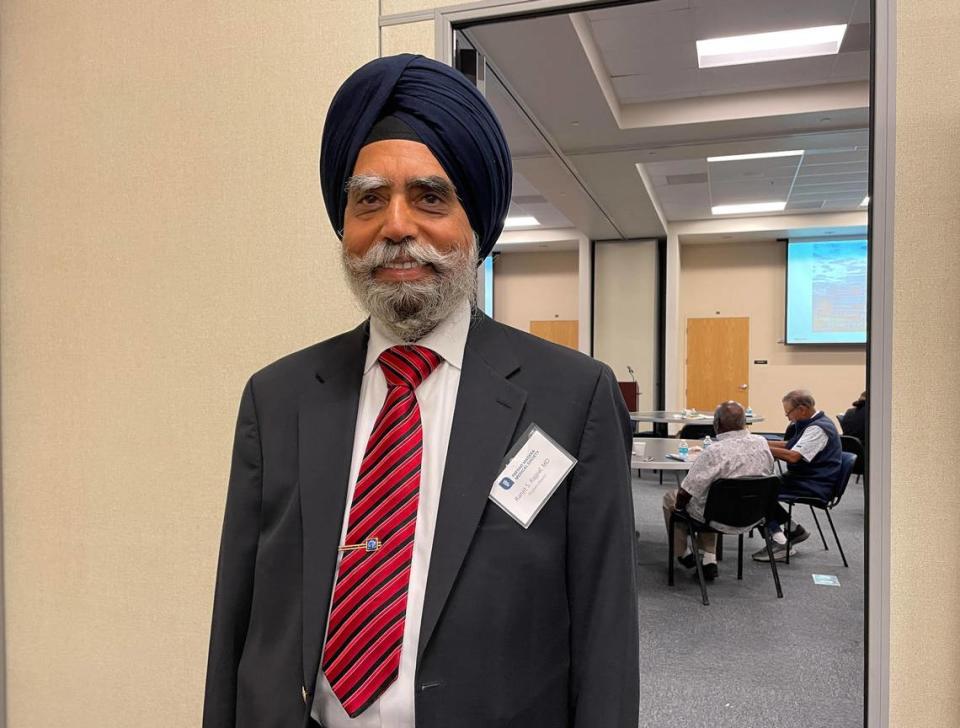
<point x="371" y="544"/>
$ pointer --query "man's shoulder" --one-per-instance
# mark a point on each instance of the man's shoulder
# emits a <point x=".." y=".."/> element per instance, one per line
<point x="536" y="353"/>
<point x="757" y="441"/>
<point x="312" y="361"/>
<point x="725" y="442"/>
<point x="816" y="430"/>
<point x="748" y="443"/>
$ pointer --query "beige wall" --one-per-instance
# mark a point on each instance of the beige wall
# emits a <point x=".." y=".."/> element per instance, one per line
<point x="625" y="313"/>
<point x="163" y="236"/>
<point x="394" y="7"/>
<point x="925" y="581"/>
<point x="535" y="287"/>
<point x="748" y="279"/>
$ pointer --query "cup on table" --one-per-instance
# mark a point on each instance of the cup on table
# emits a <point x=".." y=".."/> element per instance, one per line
<point x="639" y="449"/>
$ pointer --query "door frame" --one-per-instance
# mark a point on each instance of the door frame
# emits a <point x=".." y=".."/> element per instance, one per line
<point x="880" y="306"/>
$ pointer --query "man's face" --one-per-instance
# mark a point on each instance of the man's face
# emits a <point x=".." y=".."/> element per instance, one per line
<point x="796" y="413"/>
<point x="400" y="192"/>
<point x="408" y="249"/>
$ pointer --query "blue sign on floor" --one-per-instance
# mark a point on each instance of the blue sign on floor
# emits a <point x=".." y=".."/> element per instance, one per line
<point x="826" y="580"/>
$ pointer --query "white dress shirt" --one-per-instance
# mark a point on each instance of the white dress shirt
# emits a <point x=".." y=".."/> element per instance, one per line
<point x="437" y="397"/>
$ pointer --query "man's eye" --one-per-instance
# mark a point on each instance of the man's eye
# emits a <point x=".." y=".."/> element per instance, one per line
<point x="367" y="199"/>
<point x="431" y="198"/>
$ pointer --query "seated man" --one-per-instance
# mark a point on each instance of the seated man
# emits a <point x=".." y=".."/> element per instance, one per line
<point x="812" y="454"/>
<point x="854" y="420"/>
<point x="735" y="453"/>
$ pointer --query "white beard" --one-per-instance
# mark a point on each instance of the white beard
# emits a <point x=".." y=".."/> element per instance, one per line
<point x="412" y="309"/>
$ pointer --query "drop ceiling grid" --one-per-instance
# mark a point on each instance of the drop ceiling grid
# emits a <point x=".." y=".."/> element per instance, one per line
<point x="835" y="181"/>
<point x="650" y="52"/>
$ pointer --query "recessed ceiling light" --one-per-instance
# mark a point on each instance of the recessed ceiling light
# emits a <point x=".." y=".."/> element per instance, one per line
<point x="866" y="201"/>
<point x="756" y="155"/>
<point x="777" y="46"/>
<point x="520" y="221"/>
<point x="748" y="207"/>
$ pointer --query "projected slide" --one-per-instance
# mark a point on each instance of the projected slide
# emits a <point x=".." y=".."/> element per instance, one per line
<point x="827" y="292"/>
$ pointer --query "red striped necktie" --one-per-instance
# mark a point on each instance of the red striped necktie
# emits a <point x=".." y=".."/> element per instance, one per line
<point x="365" y="630"/>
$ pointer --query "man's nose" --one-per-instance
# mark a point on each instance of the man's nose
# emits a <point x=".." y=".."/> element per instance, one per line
<point x="399" y="222"/>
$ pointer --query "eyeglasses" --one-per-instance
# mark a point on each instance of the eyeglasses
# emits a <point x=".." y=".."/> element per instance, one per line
<point x="789" y="412"/>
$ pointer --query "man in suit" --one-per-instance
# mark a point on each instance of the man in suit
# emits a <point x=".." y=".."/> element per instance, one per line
<point x="366" y="577"/>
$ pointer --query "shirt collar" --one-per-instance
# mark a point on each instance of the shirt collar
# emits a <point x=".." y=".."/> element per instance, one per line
<point x="447" y="340"/>
<point x="733" y="434"/>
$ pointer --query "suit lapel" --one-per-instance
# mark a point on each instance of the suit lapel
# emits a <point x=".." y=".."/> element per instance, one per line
<point x="487" y="410"/>
<point x="327" y="419"/>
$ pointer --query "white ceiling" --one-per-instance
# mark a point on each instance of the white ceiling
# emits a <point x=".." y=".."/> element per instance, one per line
<point x="649" y="49"/>
<point x="571" y="123"/>
<point x="527" y="201"/>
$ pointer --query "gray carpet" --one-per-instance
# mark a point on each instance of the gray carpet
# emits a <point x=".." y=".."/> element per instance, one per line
<point x="749" y="659"/>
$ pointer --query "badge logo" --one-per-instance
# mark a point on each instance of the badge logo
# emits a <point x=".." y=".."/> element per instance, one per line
<point x="506" y="483"/>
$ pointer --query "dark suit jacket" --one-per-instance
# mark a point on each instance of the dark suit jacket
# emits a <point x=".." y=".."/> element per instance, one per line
<point x="521" y="628"/>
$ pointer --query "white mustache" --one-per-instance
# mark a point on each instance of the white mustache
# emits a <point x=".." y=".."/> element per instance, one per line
<point x="384" y="253"/>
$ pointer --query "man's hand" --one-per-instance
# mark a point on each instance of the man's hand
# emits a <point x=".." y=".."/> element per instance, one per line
<point x="683" y="497"/>
<point x="782" y="453"/>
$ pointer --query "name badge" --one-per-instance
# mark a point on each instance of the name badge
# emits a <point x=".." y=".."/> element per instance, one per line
<point x="536" y="465"/>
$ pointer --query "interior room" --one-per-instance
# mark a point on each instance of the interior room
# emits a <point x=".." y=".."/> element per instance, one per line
<point x="698" y="187"/>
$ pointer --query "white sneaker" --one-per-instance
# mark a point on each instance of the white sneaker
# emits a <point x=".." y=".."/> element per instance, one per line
<point x="779" y="553"/>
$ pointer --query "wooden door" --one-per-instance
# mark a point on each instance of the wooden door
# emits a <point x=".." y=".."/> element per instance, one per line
<point x="566" y="333"/>
<point x="718" y="366"/>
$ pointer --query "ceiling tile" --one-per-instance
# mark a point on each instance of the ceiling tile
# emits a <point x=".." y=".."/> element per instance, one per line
<point x="656" y="87"/>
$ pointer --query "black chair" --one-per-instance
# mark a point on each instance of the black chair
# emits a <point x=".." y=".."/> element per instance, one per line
<point x="847" y="460"/>
<point x="849" y="443"/>
<point x="737" y="505"/>
<point x="696" y="432"/>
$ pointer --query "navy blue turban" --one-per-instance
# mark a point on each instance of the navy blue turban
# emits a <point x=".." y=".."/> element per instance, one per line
<point x="446" y="112"/>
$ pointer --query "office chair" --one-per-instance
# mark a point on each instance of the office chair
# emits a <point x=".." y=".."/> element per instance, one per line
<point x="734" y="506"/>
<point x="849" y="443"/>
<point x="847" y="460"/>
<point x="696" y="432"/>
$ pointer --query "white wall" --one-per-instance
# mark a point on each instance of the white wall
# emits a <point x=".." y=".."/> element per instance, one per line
<point x="625" y="312"/>
<point x="535" y="287"/>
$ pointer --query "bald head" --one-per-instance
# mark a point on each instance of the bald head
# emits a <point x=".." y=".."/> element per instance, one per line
<point x="728" y="417"/>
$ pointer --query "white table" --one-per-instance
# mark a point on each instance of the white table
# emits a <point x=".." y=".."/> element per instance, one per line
<point x="669" y="417"/>
<point x="655" y="456"/>
<point x="662" y="418"/>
